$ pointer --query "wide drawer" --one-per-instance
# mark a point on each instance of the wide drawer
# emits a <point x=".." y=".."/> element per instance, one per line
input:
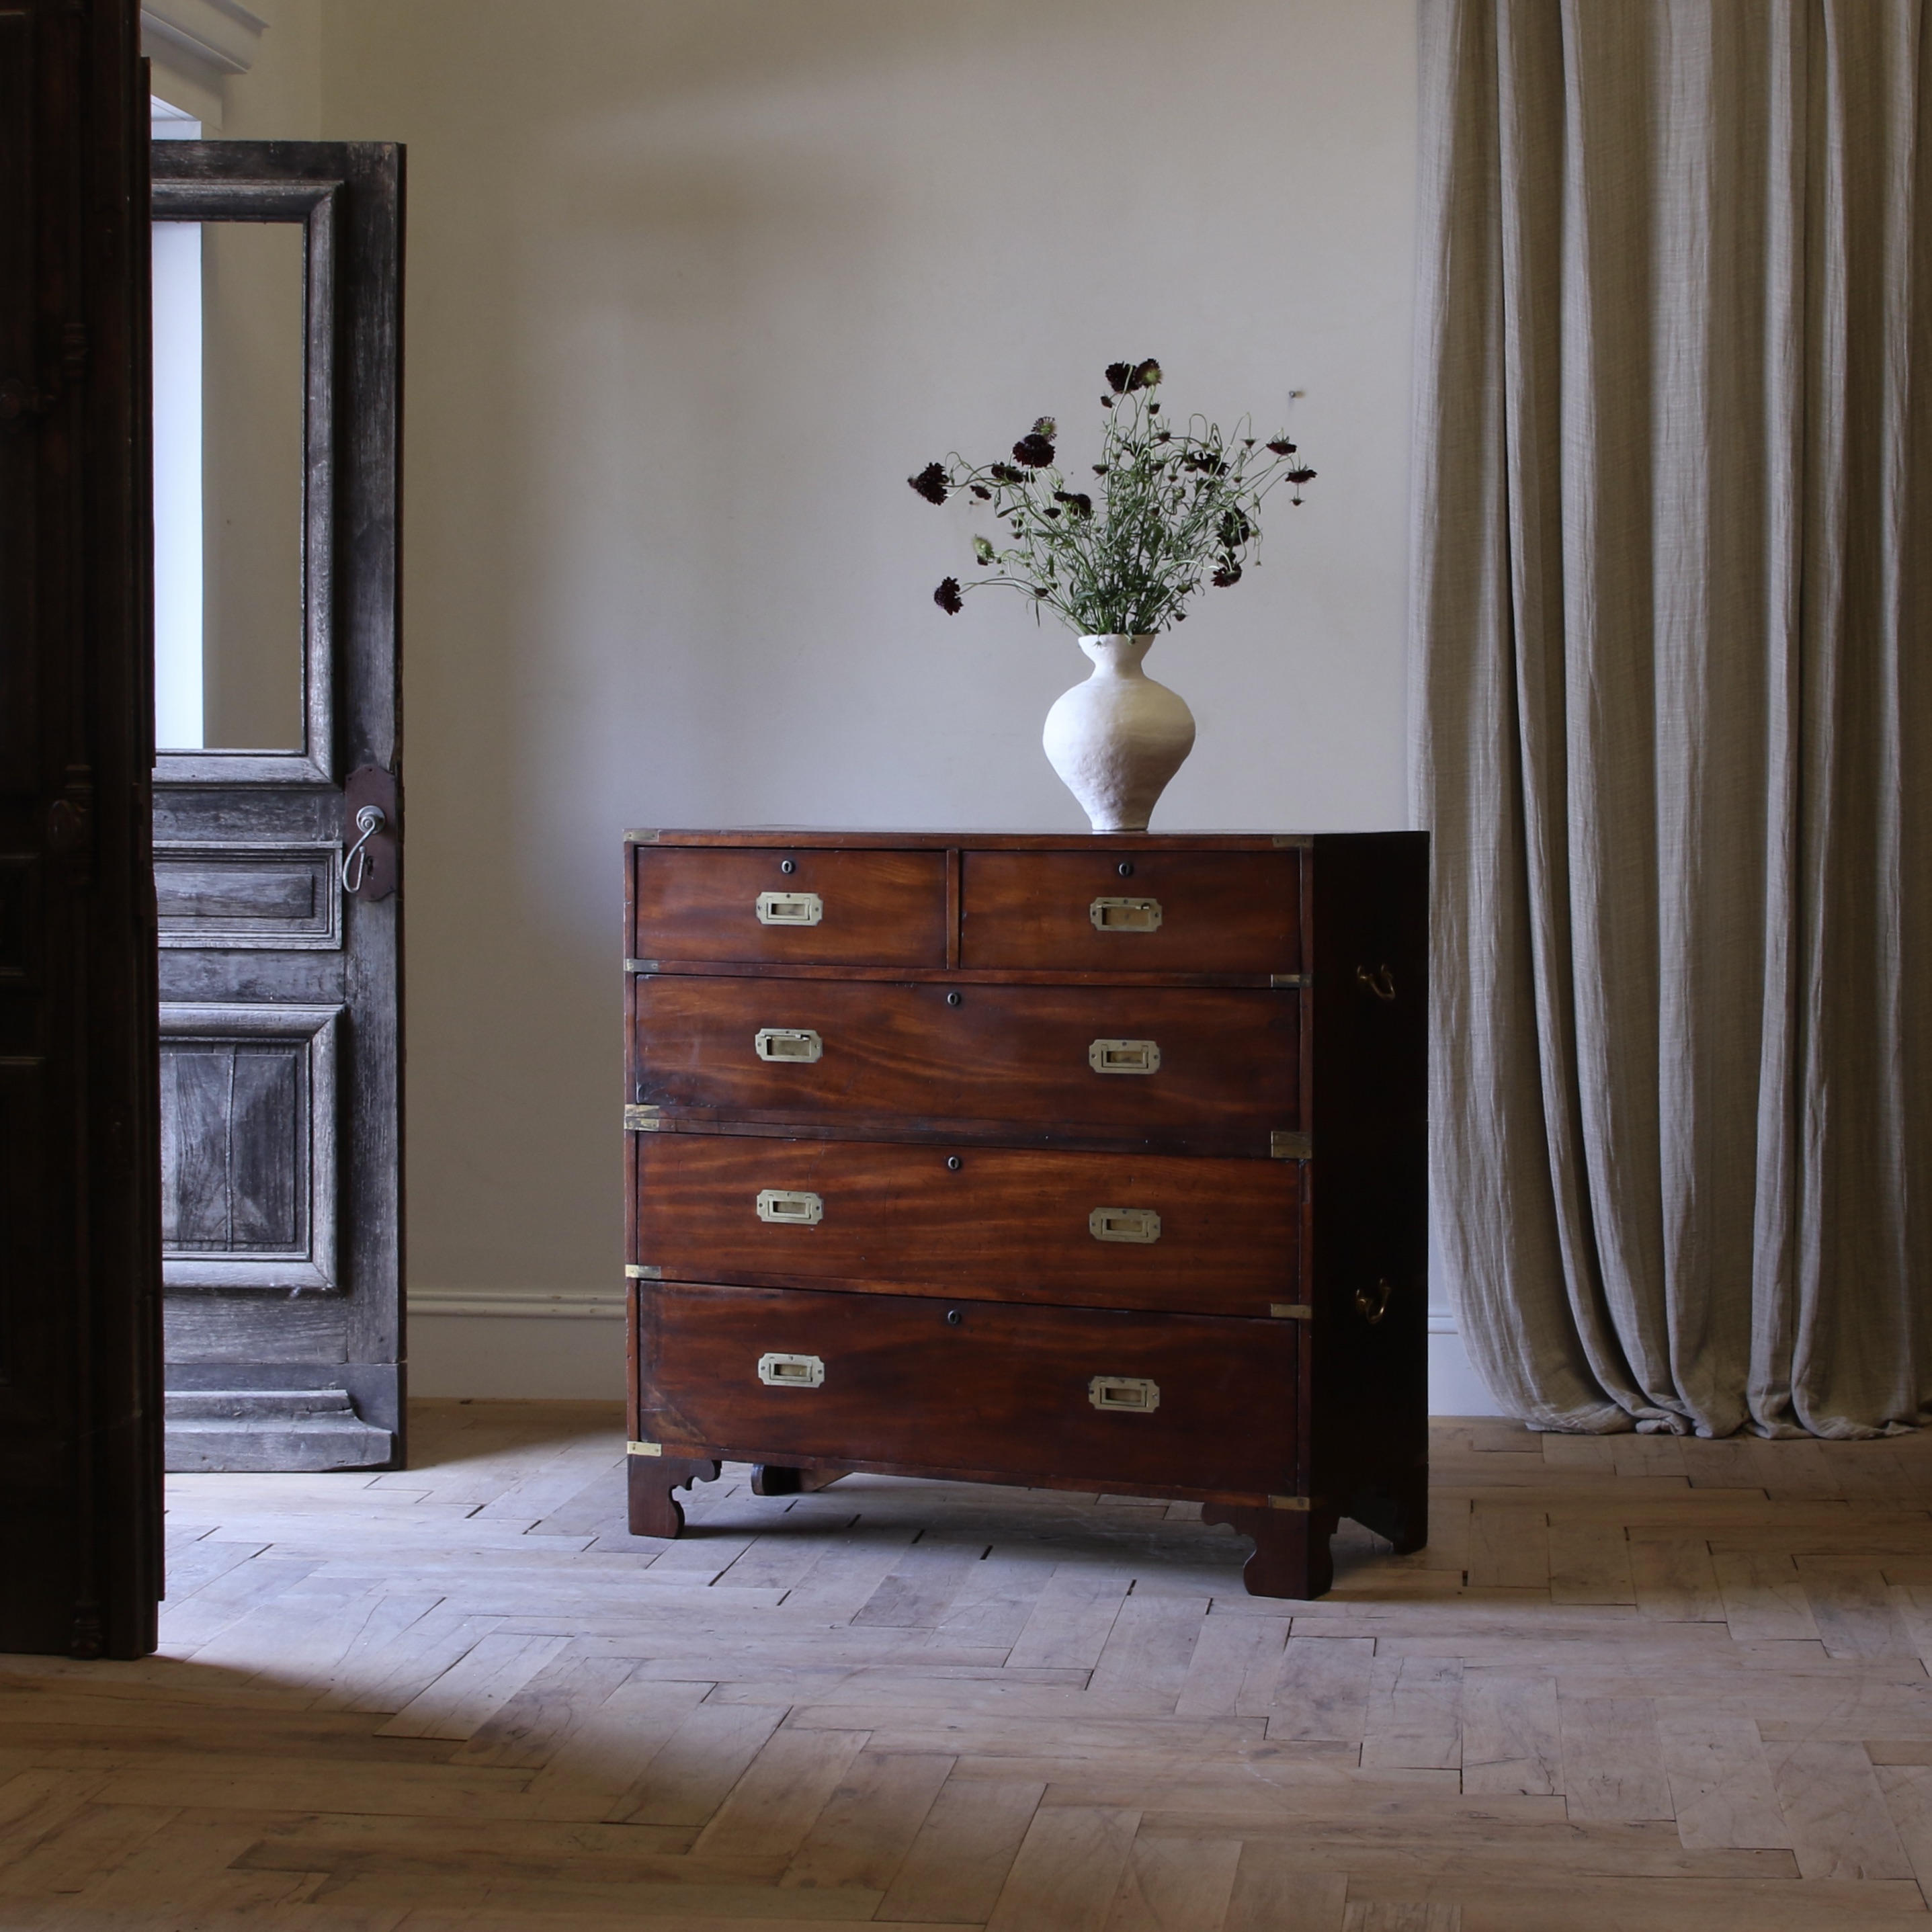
<point x="1096" y="1231"/>
<point x="803" y="1052"/>
<point x="1179" y="1401"/>
<point x="797" y="907"/>
<point x="1124" y="911"/>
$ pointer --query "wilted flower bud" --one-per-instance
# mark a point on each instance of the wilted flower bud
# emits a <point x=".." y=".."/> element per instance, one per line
<point x="982" y="549"/>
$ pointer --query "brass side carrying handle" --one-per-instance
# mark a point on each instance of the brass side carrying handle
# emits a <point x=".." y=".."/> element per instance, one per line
<point x="794" y="1046"/>
<point x="1125" y="915"/>
<point x="790" y="908"/>
<point x="1380" y="982"/>
<point x="1124" y="1056"/>
<point x="1373" y="1303"/>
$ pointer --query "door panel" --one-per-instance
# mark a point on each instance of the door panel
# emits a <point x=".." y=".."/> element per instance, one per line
<point x="80" y="1504"/>
<point x="281" y="1019"/>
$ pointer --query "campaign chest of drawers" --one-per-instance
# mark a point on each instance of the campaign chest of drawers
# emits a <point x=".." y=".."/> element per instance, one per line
<point x="1083" y="1162"/>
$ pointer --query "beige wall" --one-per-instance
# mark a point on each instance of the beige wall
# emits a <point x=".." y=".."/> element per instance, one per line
<point x="691" y="289"/>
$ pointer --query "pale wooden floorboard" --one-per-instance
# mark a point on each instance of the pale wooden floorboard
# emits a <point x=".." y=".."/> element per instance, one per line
<point x="1633" y="1680"/>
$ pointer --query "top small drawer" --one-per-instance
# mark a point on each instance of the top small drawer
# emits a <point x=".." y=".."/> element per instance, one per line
<point x="770" y="906"/>
<point x="1122" y="911"/>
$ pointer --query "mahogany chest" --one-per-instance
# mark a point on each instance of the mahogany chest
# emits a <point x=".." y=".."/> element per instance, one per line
<point x="1084" y="1162"/>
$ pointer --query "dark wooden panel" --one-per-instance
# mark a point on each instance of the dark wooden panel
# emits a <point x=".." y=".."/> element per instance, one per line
<point x="1228" y="1059"/>
<point x="1220" y="912"/>
<point x="248" y="897"/>
<point x="208" y="1328"/>
<point x="999" y="1388"/>
<point x="879" y="908"/>
<point x="80" y="1500"/>
<point x="1004" y="1223"/>
<point x="248" y="1146"/>
<point x="234" y="1147"/>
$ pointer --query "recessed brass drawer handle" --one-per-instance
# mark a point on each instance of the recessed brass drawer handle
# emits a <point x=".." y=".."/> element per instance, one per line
<point x="790" y="908"/>
<point x="1124" y="1224"/>
<point x="1372" y="1303"/>
<point x="799" y="1044"/>
<point x="1125" y="915"/>
<point x="1124" y="1056"/>
<point x="1380" y="982"/>
<point x="795" y="1207"/>
<point x="791" y="1371"/>
<point x="1124" y="1395"/>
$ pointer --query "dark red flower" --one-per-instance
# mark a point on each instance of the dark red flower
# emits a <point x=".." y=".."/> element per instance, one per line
<point x="947" y="596"/>
<point x="1005" y="472"/>
<point x="1146" y="377"/>
<point x="1034" y="451"/>
<point x="1078" y="499"/>
<point x="1301" y="476"/>
<point x="980" y="490"/>
<point x="1230" y="573"/>
<point x="1282" y="446"/>
<point x="931" y="483"/>
<point x="1119" y="375"/>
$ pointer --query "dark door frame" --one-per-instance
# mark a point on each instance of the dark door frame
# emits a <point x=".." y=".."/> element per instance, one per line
<point x="80" y="1498"/>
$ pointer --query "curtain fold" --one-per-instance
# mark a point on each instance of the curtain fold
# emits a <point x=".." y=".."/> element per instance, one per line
<point x="1673" y="713"/>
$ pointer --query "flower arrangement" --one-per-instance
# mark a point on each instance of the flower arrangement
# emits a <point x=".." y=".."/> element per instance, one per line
<point x="1175" y="505"/>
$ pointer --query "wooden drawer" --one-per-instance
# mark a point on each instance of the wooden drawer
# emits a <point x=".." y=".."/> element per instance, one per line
<point x="974" y="1387"/>
<point x="1185" y="1235"/>
<point x="1219" y="912"/>
<point x="873" y="908"/>
<point x="906" y="1057"/>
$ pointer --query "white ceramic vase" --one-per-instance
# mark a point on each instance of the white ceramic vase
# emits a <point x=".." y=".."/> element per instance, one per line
<point x="1117" y="739"/>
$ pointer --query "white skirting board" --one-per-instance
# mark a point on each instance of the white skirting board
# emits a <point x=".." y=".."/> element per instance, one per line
<point x="559" y="1345"/>
<point x="564" y="1343"/>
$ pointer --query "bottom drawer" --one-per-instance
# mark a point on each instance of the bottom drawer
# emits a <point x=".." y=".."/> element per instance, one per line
<point x="1193" y="1402"/>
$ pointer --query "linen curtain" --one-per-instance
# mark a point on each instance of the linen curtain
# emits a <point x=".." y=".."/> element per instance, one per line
<point x="1672" y="704"/>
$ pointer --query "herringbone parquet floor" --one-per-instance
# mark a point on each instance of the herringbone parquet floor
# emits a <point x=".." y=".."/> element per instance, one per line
<point x="1634" y="1682"/>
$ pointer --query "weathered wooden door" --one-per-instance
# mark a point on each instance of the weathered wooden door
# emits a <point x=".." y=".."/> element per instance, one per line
<point x="80" y="1501"/>
<point x="277" y="801"/>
